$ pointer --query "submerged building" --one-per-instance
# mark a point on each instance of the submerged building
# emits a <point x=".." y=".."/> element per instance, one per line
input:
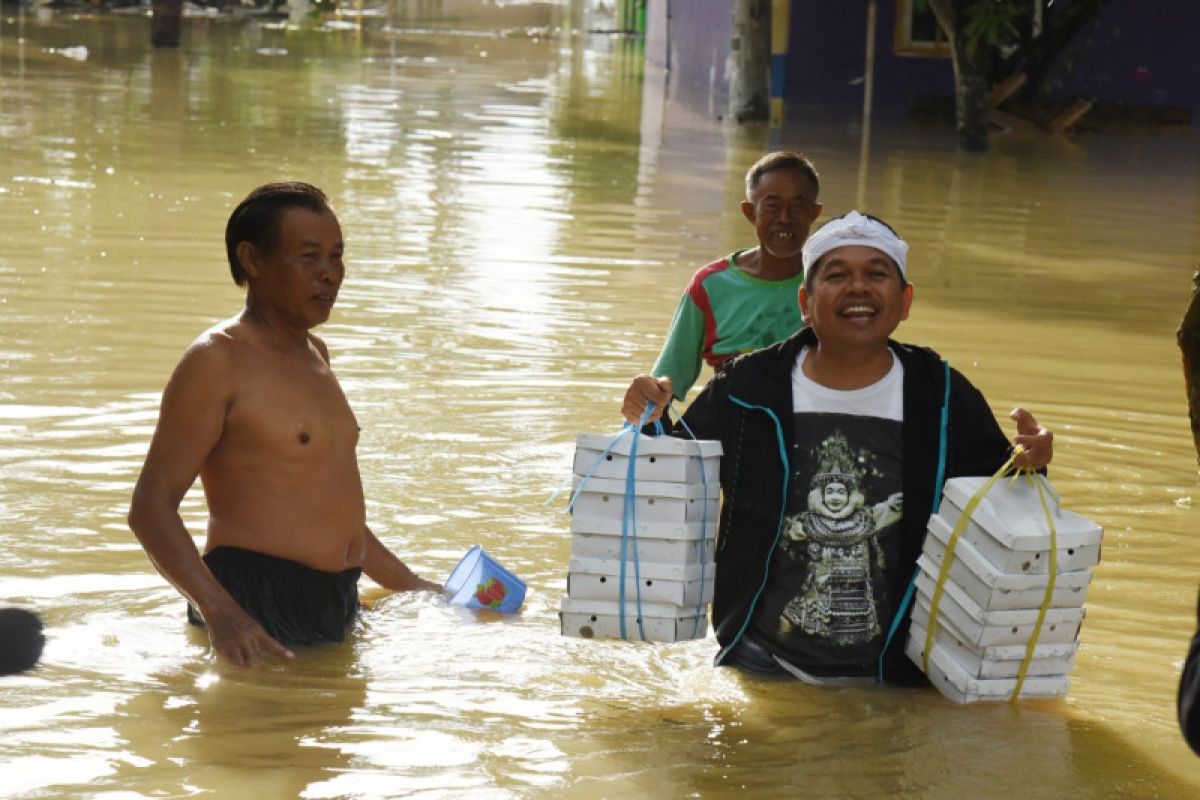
<point x="1138" y="58"/>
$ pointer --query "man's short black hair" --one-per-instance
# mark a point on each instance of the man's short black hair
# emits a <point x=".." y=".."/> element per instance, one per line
<point x="782" y="159"/>
<point x="256" y="219"/>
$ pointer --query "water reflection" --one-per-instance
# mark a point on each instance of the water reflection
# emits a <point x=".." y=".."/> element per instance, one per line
<point x="521" y="211"/>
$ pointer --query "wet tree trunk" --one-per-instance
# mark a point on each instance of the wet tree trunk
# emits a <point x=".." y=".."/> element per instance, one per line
<point x="1189" y="342"/>
<point x="165" y="23"/>
<point x="749" y="68"/>
<point x="972" y="94"/>
<point x="1038" y="55"/>
<point x="972" y="65"/>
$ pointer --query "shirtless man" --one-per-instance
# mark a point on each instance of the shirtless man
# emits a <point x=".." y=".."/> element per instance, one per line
<point x="254" y="409"/>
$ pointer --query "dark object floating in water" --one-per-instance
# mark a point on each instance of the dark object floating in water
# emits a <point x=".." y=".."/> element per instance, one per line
<point x="21" y="640"/>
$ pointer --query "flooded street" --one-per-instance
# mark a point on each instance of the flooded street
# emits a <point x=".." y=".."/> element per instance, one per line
<point x="521" y="212"/>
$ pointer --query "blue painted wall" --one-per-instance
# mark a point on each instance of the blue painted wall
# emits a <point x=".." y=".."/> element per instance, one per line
<point x="1143" y="53"/>
<point x="827" y="57"/>
<point x="1135" y="52"/>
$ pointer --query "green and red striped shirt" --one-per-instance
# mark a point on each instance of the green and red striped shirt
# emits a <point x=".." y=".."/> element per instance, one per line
<point x="724" y="312"/>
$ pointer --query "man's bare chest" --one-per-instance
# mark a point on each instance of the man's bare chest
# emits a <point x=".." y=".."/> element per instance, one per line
<point x="291" y="409"/>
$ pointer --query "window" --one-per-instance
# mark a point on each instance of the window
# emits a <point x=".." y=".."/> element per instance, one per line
<point x="917" y="30"/>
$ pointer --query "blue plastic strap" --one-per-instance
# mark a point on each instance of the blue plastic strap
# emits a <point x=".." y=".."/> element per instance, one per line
<point x="629" y="520"/>
<point x="778" y="530"/>
<point x="629" y="513"/>
<point x="625" y="431"/>
<point x="703" y="522"/>
<point x="900" y="612"/>
<point x="939" y="481"/>
<point x="942" y="443"/>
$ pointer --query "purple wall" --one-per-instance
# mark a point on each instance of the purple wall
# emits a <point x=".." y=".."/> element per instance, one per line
<point x="1133" y="52"/>
<point x="827" y="57"/>
<point x="694" y="46"/>
<point x="1141" y="53"/>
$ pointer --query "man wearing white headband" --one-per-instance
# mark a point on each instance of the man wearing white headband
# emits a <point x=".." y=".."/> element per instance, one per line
<point x="831" y="466"/>
<point x="856" y="229"/>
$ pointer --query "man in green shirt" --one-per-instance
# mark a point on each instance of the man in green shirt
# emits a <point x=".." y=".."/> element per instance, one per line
<point x="746" y="300"/>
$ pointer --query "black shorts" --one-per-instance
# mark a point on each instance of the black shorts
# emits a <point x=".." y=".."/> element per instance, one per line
<point x="295" y="604"/>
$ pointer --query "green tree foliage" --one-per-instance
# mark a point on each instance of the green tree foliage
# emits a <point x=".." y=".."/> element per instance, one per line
<point x="987" y="35"/>
<point x="993" y="23"/>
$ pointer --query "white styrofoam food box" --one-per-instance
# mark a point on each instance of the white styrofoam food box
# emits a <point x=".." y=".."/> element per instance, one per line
<point x="659" y="458"/>
<point x="653" y="501"/>
<point x="660" y="622"/>
<point x="613" y="526"/>
<point x="680" y="542"/>
<point x="999" y="661"/>
<point x="1009" y="528"/>
<point x="953" y="681"/>
<point x="981" y="627"/>
<point x="677" y="584"/>
<point x="649" y="548"/>
<point x="993" y="589"/>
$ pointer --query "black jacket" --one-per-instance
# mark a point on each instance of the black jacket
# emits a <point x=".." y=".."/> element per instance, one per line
<point x="1189" y="694"/>
<point x="748" y="407"/>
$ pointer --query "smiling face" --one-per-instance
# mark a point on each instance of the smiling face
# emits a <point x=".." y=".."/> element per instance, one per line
<point x="300" y="276"/>
<point x="782" y="207"/>
<point x="836" y="496"/>
<point x="854" y="297"/>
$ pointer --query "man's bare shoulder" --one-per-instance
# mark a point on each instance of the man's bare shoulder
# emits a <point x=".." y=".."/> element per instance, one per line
<point x="204" y="384"/>
<point x="213" y="353"/>
<point x="321" y="347"/>
<point x="225" y="339"/>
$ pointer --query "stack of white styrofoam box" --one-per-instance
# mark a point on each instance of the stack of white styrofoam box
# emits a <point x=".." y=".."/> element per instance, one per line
<point x="995" y="588"/>
<point x="668" y="553"/>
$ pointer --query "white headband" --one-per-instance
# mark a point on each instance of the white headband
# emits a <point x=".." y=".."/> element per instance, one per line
<point x="855" y="229"/>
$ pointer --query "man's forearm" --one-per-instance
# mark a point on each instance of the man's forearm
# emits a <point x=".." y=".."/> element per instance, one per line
<point x="385" y="568"/>
<point x="171" y="550"/>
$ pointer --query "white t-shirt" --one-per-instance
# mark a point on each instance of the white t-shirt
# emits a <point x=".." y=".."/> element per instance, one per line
<point x="884" y="398"/>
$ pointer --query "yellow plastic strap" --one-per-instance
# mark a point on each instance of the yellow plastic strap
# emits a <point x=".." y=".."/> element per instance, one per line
<point x="1037" y="480"/>
<point x="959" y="527"/>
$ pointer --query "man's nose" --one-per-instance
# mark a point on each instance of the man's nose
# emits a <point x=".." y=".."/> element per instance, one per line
<point x="332" y="270"/>
<point x="858" y="280"/>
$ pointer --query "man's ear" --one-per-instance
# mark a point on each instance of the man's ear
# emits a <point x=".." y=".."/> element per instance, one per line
<point x="748" y="211"/>
<point x="802" y="298"/>
<point x="247" y="255"/>
<point x="906" y="301"/>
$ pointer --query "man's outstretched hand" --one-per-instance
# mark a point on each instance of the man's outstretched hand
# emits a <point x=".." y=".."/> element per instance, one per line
<point x="1037" y="441"/>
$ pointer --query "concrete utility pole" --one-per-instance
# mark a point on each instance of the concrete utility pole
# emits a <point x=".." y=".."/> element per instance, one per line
<point x="749" y="67"/>
<point x="165" y="22"/>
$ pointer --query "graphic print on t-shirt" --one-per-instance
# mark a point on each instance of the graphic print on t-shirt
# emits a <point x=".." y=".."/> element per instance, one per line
<point x="827" y="582"/>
